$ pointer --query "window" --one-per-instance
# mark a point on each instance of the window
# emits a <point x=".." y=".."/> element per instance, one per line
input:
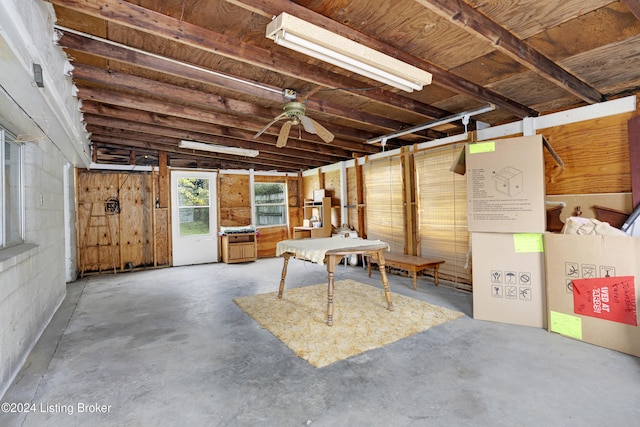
<point x="11" y="202"/>
<point x="270" y="203"/>
<point x="193" y="206"/>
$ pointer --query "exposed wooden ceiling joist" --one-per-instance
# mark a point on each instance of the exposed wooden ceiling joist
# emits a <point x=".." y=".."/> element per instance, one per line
<point x="150" y="73"/>
<point x="470" y="19"/>
<point x="634" y="7"/>
<point x="457" y="84"/>
<point x="168" y="28"/>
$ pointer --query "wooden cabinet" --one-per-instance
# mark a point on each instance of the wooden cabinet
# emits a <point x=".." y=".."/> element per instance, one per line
<point x="320" y="210"/>
<point x="240" y="247"/>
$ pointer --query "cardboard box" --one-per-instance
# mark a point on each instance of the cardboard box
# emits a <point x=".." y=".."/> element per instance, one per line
<point x="505" y="185"/>
<point x="508" y="278"/>
<point x="593" y="290"/>
<point x="318" y="195"/>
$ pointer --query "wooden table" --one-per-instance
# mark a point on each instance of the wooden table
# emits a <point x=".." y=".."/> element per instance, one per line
<point x="330" y="251"/>
<point x="411" y="263"/>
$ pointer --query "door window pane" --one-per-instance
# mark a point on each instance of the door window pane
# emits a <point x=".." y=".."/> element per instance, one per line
<point x="193" y="206"/>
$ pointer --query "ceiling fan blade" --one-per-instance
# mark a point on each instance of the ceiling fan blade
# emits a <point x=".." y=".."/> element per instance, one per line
<point x="318" y="129"/>
<point x="280" y="117"/>
<point x="308" y="124"/>
<point x="284" y="134"/>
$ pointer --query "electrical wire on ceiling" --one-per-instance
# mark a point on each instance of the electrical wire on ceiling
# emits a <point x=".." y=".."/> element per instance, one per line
<point x="22" y="138"/>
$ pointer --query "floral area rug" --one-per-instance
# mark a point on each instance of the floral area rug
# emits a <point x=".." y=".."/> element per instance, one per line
<point x="361" y="320"/>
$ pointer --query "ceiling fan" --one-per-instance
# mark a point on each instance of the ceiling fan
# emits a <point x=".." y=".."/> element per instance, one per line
<point x="295" y="112"/>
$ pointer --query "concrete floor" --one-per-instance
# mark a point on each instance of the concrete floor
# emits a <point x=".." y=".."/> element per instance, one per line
<point x="169" y="348"/>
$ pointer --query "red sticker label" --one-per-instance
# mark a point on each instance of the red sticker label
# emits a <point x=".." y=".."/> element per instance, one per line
<point x="609" y="298"/>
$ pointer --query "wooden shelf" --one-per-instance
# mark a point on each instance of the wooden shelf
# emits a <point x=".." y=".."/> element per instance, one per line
<point x="323" y="211"/>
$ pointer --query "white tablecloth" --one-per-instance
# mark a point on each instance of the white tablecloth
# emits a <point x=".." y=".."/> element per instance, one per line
<point x="315" y="250"/>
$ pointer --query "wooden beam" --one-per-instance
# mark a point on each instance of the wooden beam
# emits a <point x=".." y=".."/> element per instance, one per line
<point x="634" y="158"/>
<point x="634" y="7"/>
<point x="163" y="179"/>
<point x="409" y="199"/>
<point x="151" y="132"/>
<point x="162" y="142"/>
<point x="441" y="77"/>
<point x="163" y="26"/>
<point x="129" y="139"/>
<point x="106" y="96"/>
<point x="113" y="148"/>
<point x="195" y="128"/>
<point x="127" y="82"/>
<point x="100" y="48"/>
<point x="472" y="21"/>
<point x="360" y="200"/>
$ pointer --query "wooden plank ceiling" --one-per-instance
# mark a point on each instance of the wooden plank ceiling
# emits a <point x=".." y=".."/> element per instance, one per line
<point x="153" y="72"/>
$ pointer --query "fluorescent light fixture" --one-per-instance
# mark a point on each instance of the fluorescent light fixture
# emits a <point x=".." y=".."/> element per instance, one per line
<point x="294" y="33"/>
<point x="223" y="149"/>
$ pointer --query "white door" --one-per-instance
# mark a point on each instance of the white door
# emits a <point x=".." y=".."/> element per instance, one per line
<point x="194" y="217"/>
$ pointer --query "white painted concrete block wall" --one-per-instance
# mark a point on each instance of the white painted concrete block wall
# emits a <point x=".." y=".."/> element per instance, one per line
<point x="33" y="276"/>
<point x="34" y="287"/>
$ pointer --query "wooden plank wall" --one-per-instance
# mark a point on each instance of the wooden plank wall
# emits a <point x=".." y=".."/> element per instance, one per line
<point x="332" y="186"/>
<point x="97" y="231"/>
<point x="596" y="156"/>
<point x="129" y="240"/>
<point x="235" y="208"/>
<point x="310" y="183"/>
<point x="235" y="200"/>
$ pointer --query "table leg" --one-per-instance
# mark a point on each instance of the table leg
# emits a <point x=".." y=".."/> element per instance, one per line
<point x="378" y="256"/>
<point x="331" y="266"/>
<point x="435" y="274"/>
<point x="415" y="280"/>
<point x="284" y="274"/>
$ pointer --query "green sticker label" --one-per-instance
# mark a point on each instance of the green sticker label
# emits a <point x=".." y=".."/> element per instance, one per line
<point x="528" y="242"/>
<point x="566" y="324"/>
<point x="482" y="147"/>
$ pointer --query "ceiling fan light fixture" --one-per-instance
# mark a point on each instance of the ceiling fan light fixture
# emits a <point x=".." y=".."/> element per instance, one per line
<point x="222" y="149"/>
<point x="296" y="34"/>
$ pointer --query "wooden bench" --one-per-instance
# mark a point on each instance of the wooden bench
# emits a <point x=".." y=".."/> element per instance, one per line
<point x="410" y="263"/>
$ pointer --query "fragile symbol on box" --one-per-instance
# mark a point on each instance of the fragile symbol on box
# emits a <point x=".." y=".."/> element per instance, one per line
<point x="496" y="291"/>
<point x="571" y="269"/>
